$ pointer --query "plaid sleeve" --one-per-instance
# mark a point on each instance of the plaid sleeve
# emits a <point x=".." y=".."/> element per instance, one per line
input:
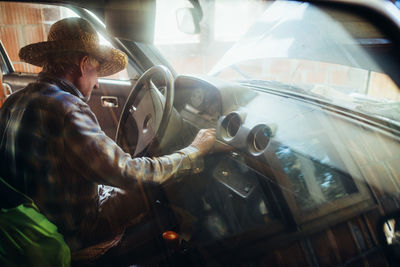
<point x="99" y="159"/>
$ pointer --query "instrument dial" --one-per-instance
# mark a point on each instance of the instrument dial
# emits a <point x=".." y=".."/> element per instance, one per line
<point x="197" y="97"/>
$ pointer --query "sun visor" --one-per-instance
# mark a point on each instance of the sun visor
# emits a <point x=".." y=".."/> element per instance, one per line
<point x="131" y="20"/>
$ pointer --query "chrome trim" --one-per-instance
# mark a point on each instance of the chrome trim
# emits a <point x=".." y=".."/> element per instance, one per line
<point x="109" y="101"/>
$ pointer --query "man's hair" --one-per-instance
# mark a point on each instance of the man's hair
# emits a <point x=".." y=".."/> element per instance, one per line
<point x="60" y="64"/>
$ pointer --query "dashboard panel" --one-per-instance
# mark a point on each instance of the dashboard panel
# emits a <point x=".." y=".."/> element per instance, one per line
<point x="301" y="146"/>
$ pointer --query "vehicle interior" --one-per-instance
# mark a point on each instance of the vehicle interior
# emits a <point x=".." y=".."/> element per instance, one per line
<point x="309" y="174"/>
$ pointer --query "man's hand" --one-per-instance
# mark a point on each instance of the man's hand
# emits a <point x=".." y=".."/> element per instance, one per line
<point x="204" y="140"/>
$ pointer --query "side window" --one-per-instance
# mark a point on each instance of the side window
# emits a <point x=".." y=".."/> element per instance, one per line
<point x="22" y="24"/>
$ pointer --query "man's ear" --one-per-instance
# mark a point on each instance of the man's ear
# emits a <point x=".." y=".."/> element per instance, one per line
<point x="83" y="65"/>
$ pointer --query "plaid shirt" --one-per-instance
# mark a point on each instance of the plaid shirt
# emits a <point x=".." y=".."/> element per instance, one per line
<point x="52" y="149"/>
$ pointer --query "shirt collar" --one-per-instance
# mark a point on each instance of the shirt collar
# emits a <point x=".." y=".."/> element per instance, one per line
<point x="62" y="83"/>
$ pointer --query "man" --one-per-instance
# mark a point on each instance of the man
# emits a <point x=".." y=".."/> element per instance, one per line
<point x="52" y="148"/>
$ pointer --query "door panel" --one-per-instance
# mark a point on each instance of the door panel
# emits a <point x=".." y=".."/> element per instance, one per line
<point x="107" y="103"/>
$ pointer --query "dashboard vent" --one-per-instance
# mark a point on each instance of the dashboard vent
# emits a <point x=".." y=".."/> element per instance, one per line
<point x="230" y="126"/>
<point x="258" y="139"/>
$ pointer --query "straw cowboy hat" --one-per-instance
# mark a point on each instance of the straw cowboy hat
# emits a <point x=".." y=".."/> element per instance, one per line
<point x="75" y="34"/>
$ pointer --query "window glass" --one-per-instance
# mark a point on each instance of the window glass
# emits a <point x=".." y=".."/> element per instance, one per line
<point x="31" y="24"/>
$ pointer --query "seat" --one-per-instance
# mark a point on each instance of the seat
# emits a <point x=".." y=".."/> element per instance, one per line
<point x="5" y="89"/>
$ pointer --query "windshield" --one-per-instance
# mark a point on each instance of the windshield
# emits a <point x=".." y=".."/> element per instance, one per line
<point x="326" y="54"/>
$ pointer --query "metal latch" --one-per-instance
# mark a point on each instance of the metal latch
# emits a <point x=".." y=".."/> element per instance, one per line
<point x="109" y="101"/>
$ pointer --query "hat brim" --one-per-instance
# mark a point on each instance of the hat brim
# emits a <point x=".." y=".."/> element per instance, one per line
<point x="111" y="60"/>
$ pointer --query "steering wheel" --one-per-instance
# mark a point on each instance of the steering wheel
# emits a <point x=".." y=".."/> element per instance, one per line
<point x="141" y="124"/>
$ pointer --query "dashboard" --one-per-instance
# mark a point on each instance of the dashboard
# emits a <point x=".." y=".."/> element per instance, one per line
<point x="289" y="157"/>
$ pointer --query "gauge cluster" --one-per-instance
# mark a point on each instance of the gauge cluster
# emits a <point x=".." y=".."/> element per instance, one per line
<point x="198" y="100"/>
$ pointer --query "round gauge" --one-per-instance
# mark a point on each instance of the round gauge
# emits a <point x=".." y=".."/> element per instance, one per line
<point x="197" y="97"/>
